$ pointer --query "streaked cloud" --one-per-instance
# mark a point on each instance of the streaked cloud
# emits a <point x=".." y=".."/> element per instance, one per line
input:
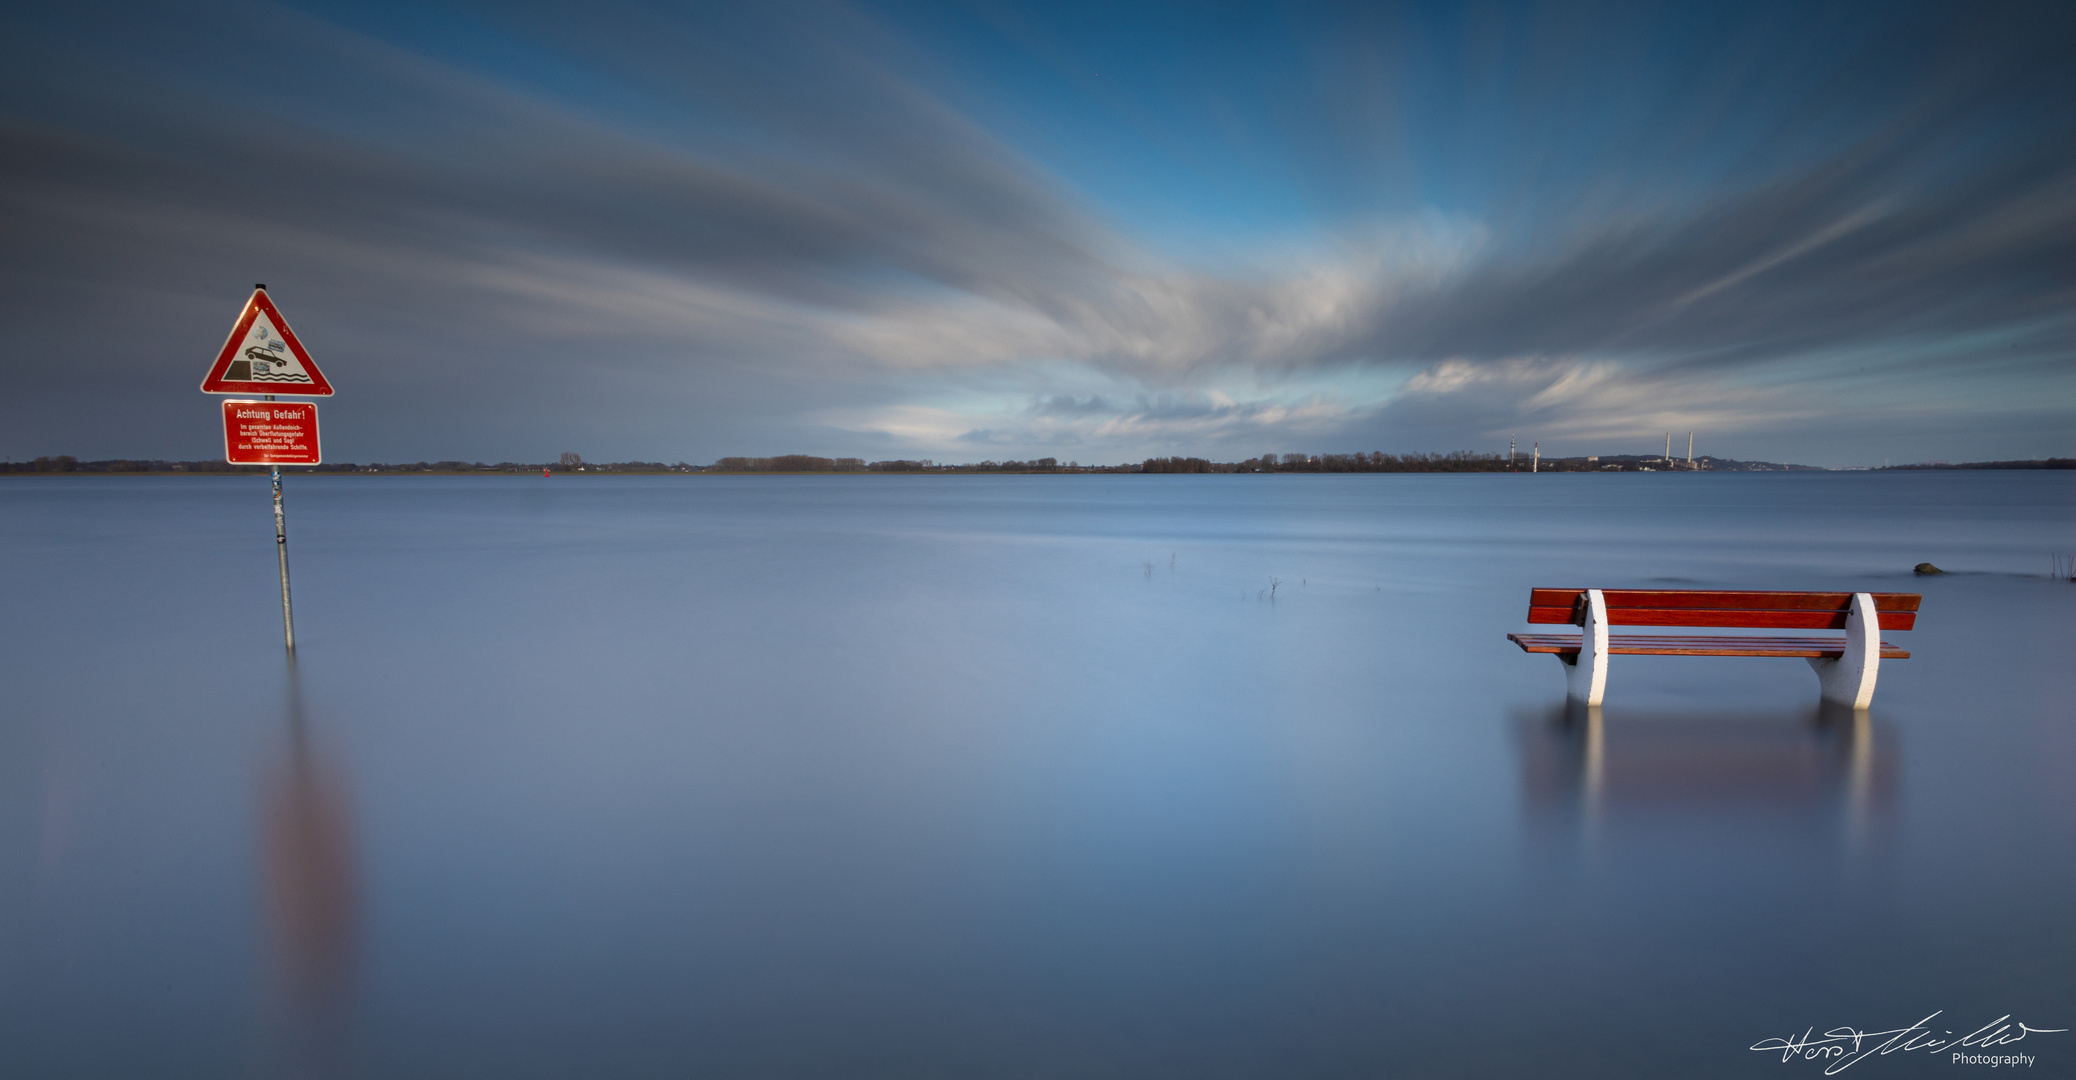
<point x="833" y="230"/>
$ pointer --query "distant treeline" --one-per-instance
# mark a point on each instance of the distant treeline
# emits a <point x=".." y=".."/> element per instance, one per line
<point x="794" y="463"/>
<point x="806" y="463"/>
<point x="1458" y="461"/>
<point x="66" y="463"/>
<point x="1461" y="461"/>
<point x="1375" y="462"/>
<point x="2036" y="463"/>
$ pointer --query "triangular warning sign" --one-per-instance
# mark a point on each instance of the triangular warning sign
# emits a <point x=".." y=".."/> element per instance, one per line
<point x="263" y="356"/>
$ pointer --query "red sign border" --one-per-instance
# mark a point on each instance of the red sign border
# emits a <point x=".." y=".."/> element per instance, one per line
<point x="316" y="432"/>
<point x="214" y="382"/>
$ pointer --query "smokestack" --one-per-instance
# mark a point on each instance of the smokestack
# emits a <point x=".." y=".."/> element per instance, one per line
<point x="1536" y="465"/>
<point x="1690" y="449"/>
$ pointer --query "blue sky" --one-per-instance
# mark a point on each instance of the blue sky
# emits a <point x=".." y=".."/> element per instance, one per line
<point x="1828" y="234"/>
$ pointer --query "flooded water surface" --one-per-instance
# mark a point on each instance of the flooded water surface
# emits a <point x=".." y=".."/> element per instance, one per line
<point x="1195" y="776"/>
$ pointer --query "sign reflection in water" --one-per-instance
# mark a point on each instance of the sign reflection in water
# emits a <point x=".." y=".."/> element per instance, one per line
<point x="312" y="895"/>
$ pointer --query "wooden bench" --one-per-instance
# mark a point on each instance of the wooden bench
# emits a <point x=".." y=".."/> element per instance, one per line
<point x="1845" y="666"/>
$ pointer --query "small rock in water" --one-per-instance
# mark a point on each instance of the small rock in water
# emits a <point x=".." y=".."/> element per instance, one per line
<point x="1928" y="568"/>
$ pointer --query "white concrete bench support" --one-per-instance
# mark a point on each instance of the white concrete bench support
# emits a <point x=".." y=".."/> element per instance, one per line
<point x="1849" y="680"/>
<point x="1585" y="676"/>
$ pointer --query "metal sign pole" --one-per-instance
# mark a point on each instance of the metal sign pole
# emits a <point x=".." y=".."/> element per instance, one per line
<point x="288" y="617"/>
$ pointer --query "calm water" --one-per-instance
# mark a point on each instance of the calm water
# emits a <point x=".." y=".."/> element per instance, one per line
<point x="1012" y="776"/>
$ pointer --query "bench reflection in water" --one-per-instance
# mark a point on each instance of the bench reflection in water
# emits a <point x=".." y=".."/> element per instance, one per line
<point x="1592" y="763"/>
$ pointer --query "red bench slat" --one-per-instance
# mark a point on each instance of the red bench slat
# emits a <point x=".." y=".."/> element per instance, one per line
<point x="1779" y="620"/>
<point x="1723" y="607"/>
<point x="1687" y="645"/>
<point x="1754" y="599"/>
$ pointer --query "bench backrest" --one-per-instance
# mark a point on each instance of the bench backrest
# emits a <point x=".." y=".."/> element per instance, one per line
<point x="1720" y="607"/>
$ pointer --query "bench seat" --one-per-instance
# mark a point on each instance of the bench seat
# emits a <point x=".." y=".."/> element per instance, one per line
<point x="1845" y="665"/>
<point x="1825" y="648"/>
